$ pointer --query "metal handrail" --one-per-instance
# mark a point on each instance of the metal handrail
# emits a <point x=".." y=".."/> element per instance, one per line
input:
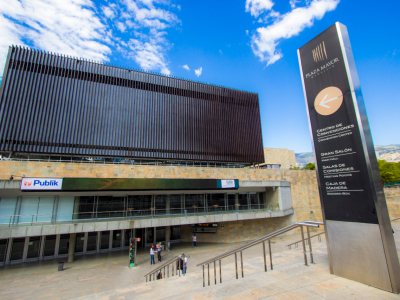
<point x="163" y="266"/>
<point x="262" y="240"/>
<point x="318" y="234"/>
<point x="394" y="219"/>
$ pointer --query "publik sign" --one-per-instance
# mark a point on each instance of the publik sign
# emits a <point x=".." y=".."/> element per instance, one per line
<point x="43" y="184"/>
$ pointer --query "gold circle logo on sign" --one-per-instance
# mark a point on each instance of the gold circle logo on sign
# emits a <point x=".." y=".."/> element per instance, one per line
<point x="328" y="101"/>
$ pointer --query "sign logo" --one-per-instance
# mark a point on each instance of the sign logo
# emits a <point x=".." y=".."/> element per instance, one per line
<point x="227" y="184"/>
<point x="328" y="101"/>
<point x="319" y="53"/>
<point x="41" y="184"/>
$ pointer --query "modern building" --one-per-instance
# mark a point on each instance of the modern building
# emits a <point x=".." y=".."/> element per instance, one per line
<point x="93" y="154"/>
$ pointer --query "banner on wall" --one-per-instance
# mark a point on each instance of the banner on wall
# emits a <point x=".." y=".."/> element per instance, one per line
<point x="42" y="184"/>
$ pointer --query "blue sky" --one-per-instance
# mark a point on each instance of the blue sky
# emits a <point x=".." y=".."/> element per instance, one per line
<point x="248" y="45"/>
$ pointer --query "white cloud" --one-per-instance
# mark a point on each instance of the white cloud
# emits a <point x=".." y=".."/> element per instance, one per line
<point x="149" y="20"/>
<point x="121" y="26"/>
<point x="198" y="71"/>
<point x="68" y="27"/>
<point x="266" y="39"/>
<point x="256" y="7"/>
<point x="80" y="28"/>
<point x="109" y="11"/>
<point x="186" y="67"/>
<point x="220" y="51"/>
<point x="149" y="55"/>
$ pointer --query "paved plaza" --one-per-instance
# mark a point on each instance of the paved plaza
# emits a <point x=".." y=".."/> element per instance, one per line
<point x="107" y="276"/>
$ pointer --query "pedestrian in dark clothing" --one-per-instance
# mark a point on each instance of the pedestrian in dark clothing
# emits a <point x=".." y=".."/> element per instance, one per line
<point x="159" y="248"/>
<point x="179" y="266"/>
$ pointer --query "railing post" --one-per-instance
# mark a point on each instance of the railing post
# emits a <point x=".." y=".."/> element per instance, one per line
<point x="265" y="259"/>
<point x="208" y="272"/>
<point x="220" y="272"/>
<point x="309" y="245"/>
<point x="270" y="254"/>
<point x="204" y="283"/>
<point x="304" y="245"/>
<point x="215" y="274"/>
<point x="241" y="262"/>
<point x="146" y="278"/>
<point x="237" y="277"/>
<point x="173" y="269"/>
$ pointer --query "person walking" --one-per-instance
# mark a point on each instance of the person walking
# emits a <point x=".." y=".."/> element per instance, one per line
<point x="159" y="248"/>
<point x="185" y="259"/>
<point x="152" y="256"/>
<point x="194" y="240"/>
<point x="179" y="266"/>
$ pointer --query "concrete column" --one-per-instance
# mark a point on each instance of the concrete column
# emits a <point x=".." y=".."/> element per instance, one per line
<point x="110" y="240"/>
<point x="168" y="205"/>
<point x="167" y="236"/>
<point x="71" y="249"/>
<point x="76" y="208"/>
<point x="85" y="241"/>
<point x="41" y="252"/>
<point x="237" y="201"/>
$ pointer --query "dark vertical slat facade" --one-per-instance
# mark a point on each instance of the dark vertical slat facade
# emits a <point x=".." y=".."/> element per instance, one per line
<point x="53" y="104"/>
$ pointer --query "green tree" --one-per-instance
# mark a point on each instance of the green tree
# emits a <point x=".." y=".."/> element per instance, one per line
<point x="390" y="171"/>
<point x="309" y="166"/>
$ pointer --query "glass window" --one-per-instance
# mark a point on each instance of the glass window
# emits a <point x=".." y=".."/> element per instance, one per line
<point x="231" y="202"/>
<point x="160" y="204"/>
<point x="3" y="250"/>
<point x="139" y="205"/>
<point x="242" y="201"/>
<point x="65" y="208"/>
<point x="160" y="234"/>
<point x="175" y="233"/>
<point x="86" y="207"/>
<point x="194" y="203"/>
<point x="105" y="240"/>
<point x="45" y="209"/>
<point x="110" y="207"/>
<point x="216" y="202"/>
<point x="254" y="200"/>
<point x="92" y="242"/>
<point x="29" y="210"/>
<point x="79" y="243"/>
<point x="33" y="247"/>
<point x="7" y="210"/>
<point x="64" y="244"/>
<point x="127" y="233"/>
<point x="49" y="245"/>
<point x="175" y="204"/>
<point x="116" y="242"/>
<point x="17" y="250"/>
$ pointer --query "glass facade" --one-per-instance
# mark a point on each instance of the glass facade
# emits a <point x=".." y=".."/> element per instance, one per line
<point x="31" y="210"/>
<point x="33" y="247"/>
<point x="64" y="244"/>
<point x="17" y="250"/>
<point x="49" y="245"/>
<point x="79" y="243"/>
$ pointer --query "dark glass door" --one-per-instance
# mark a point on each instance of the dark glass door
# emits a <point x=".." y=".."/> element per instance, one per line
<point x="49" y="245"/>
<point x="33" y="247"/>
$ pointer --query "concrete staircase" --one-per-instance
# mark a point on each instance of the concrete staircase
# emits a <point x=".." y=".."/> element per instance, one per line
<point x="290" y="279"/>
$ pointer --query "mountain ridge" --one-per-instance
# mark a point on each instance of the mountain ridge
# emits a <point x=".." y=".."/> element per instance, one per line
<point x="390" y="153"/>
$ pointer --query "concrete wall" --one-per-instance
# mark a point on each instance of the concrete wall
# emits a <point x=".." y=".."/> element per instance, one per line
<point x="231" y="232"/>
<point x="285" y="158"/>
